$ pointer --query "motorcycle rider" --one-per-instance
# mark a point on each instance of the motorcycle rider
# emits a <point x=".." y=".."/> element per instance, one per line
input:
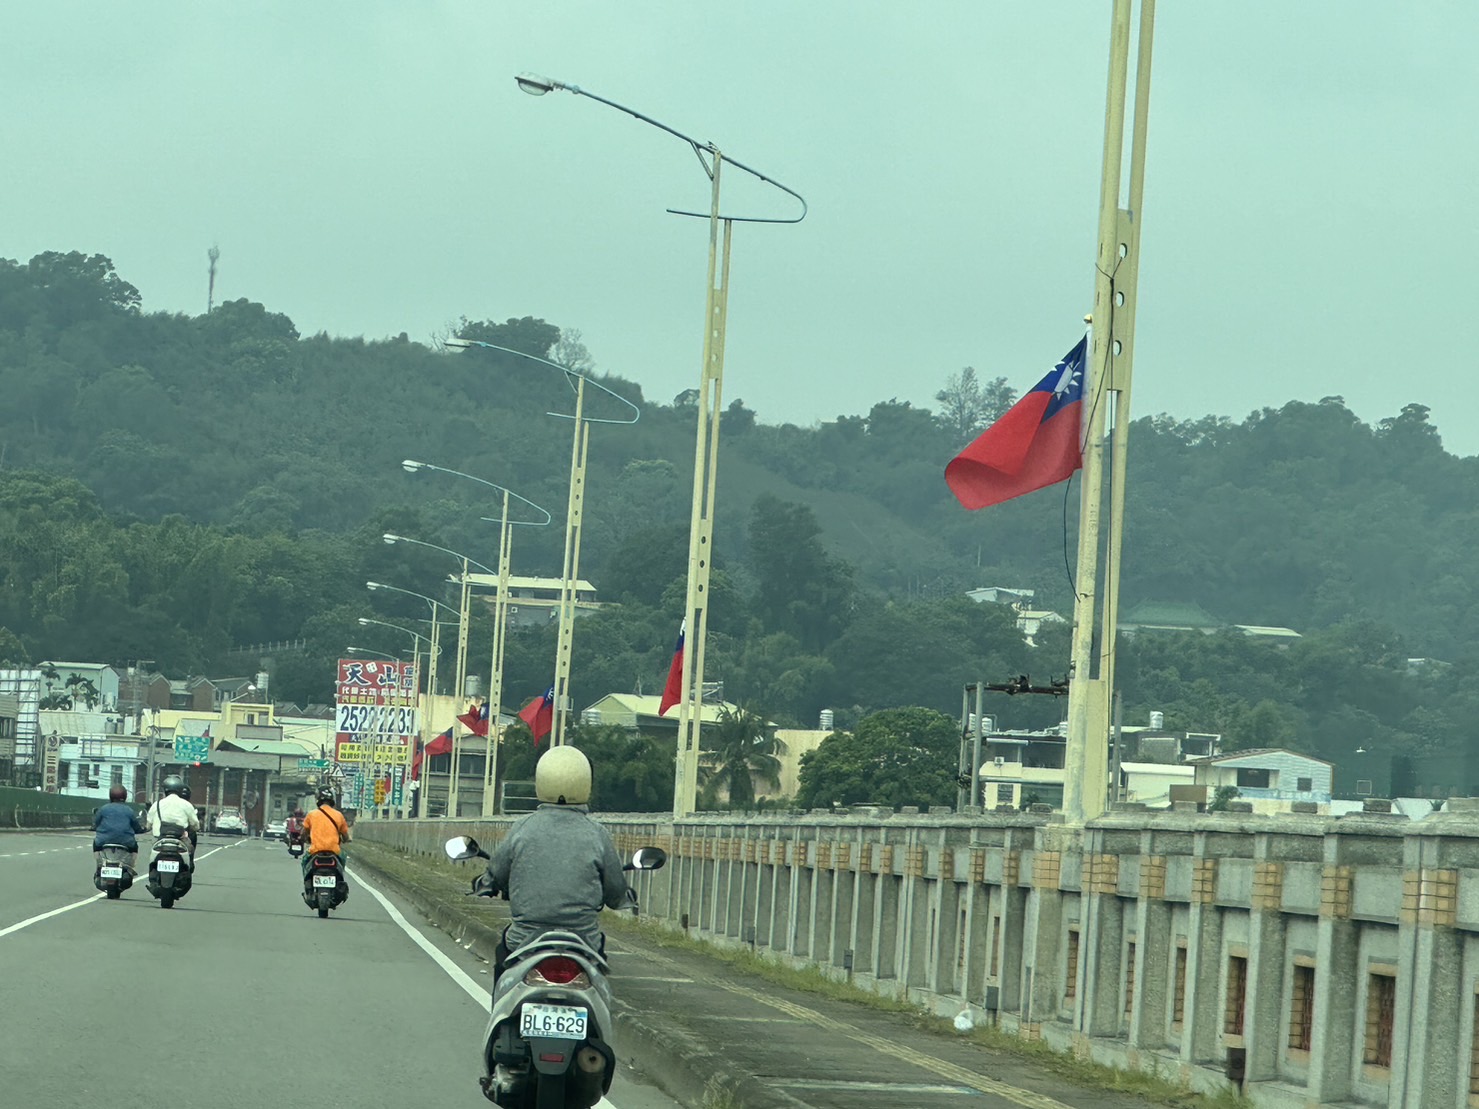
<point x="173" y="811"/>
<point x="293" y="831"/>
<point x="116" y="823"/>
<point x="557" y="865"/>
<point x="324" y="829"/>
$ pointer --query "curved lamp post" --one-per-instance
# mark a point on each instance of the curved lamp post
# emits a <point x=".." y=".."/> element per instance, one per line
<point x="436" y="651"/>
<point x="500" y="621"/>
<point x="706" y="447"/>
<point x="573" y="517"/>
<point x="364" y="651"/>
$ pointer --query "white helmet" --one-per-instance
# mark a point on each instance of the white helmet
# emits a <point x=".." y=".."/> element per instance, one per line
<point x="563" y="777"/>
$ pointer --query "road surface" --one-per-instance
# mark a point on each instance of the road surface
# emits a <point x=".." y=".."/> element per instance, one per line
<point x="237" y="997"/>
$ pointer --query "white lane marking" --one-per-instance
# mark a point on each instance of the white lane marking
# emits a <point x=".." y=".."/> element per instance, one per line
<point x="85" y="901"/>
<point x="54" y="912"/>
<point x="455" y="972"/>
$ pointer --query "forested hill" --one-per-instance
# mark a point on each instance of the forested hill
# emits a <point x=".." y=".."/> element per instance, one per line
<point x="227" y="448"/>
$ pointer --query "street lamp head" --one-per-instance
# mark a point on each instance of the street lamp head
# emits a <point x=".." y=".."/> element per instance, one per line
<point x="535" y="85"/>
<point x="373" y="585"/>
<point x="410" y="465"/>
<point x="364" y="622"/>
<point x="390" y="538"/>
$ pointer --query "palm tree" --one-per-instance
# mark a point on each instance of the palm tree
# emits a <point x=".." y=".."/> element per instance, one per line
<point x="82" y="689"/>
<point x="738" y="749"/>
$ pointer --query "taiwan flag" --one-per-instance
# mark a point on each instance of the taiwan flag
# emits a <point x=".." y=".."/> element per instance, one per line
<point x="1038" y="442"/>
<point x="441" y="745"/>
<point x="672" y="692"/>
<point x="539" y="714"/>
<point x="475" y="719"/>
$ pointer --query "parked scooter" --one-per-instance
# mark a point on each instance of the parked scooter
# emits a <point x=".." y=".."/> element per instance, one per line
<point x="548" y="1041"/>
<point x="324" y="885"/>
<point x="114" y="873"/>
<point x="171" y="866"/>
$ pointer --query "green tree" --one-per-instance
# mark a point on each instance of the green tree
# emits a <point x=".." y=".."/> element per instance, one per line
<point x="739" y="748"/>
<point x="903" y="756"/>
<point x="802" y="589"/>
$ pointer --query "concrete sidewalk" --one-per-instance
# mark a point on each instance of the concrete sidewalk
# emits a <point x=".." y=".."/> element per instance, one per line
<point x="697" y="1025"/>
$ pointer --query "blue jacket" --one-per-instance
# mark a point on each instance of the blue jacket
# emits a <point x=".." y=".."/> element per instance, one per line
<point x="116" y="823"/>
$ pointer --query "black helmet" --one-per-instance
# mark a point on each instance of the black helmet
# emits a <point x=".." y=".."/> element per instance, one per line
<point x="173" y="784"/>
<point x="324" y="796"/>
<point x="117" y="793"/>
<point x="185" y="793"/>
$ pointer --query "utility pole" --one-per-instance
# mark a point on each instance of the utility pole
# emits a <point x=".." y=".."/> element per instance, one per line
<point x="210" y="296"/>
<point x="1107" y="384"/>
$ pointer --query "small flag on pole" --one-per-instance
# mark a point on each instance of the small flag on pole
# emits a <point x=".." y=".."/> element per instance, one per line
<point x="672" y="692"/>
<point x="539" y="714"/>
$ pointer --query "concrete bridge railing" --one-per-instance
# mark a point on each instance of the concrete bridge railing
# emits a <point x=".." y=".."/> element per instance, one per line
<point x="1313" y="960"/>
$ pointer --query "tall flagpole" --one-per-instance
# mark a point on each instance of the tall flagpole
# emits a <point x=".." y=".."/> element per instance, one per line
<point x="1106" y="385"/>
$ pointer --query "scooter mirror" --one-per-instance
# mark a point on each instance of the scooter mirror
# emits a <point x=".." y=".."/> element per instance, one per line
<point x="461" y="847"/>
<point x="649" y="858"/>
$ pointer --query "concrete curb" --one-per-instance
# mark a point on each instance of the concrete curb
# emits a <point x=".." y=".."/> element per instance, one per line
<point x="666" y="1056"/>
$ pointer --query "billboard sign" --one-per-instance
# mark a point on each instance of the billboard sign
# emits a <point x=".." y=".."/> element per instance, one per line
<point x="395" y="720"/>
<point x="375" y="682"/>
<point x="351" y="750"/>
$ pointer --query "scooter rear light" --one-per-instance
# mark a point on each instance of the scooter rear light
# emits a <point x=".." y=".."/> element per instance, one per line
<point x="329" y="863"/>
<point x="557" y="970"/>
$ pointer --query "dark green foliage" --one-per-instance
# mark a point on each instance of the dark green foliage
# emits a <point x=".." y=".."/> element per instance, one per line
<point x="903" y="756"/>
<point x="172" y="487"/>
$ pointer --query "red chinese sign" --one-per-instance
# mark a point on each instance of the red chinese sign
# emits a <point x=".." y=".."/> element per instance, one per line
<point x="375" y="682"/>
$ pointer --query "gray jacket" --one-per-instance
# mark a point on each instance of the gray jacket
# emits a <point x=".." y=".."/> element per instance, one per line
<point x="559" y="867"/>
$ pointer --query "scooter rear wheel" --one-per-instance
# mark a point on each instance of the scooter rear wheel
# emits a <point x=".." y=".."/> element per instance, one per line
<point x="551" y="1092"/>
<point x="166" y="902"/>
<point x="323" y="905"/>
<point x="114" y="893"/>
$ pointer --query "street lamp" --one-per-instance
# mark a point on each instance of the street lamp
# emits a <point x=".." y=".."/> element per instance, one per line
<point x="462" y="606"/>
<point x="363" y="651"/>
<point x="500" y="623"/>
<point x="435" y="656"/>
<point x="573" y="516"/>
<point x="706" y="446"/>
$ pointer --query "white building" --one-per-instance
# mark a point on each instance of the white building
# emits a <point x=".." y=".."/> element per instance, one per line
<point x="1271" y="778"/>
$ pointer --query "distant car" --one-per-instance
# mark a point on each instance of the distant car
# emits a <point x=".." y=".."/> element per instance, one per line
<point x="230" y="824"/>
<point x="276" y="829"/>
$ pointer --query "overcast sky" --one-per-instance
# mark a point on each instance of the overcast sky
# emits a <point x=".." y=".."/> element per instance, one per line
<point x="1310" y="228"/>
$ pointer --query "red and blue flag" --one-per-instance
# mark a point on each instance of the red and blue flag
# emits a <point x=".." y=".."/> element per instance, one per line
<point x="672" y="692"/>
<point x="1038" y="441"/>
<point x="539" y="714"/>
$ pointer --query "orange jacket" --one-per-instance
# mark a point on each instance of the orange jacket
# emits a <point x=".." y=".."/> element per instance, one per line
<point x="324" y="828"/>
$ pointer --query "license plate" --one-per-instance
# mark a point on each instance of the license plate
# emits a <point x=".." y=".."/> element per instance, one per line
<point x="560" y="1022"/>
<point x="112" y="872"/>
<point x="324" y="881"/>
<point x="167" y="866"/>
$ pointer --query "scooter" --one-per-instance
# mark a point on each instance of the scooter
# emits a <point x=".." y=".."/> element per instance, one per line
<point x="169" y="868"/>
<point x="114" y="874"/>
<point x="548" y="1041"/>
<point x="324" y="885"/>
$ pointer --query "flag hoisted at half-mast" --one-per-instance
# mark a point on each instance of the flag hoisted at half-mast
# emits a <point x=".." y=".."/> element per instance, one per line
<point x="539" y="714"/>
<point x="1038" y="441"/>
<point x="672" y="692"/>
<point x="475" y="719"/>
